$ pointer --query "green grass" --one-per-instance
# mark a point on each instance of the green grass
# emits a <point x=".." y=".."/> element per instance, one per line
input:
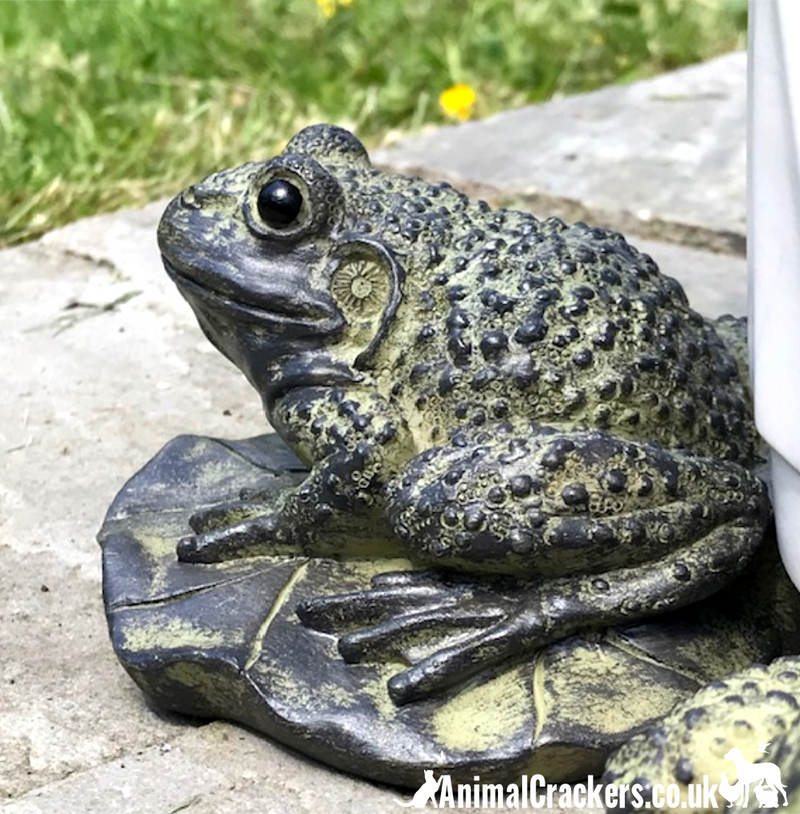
<point x="106" y="103"/>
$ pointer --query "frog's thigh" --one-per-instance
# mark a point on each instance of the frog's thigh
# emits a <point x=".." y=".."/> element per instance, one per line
<point x="560" y="503"/>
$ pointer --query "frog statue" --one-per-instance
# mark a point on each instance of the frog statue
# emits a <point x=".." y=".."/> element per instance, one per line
<point x="523" y="420"/>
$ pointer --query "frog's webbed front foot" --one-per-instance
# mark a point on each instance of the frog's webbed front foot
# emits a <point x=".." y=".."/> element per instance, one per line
<point x="263" y="523"/>
<point x="249" y="526"/>
<point x="352" y="440"/>
<point x="299" y="522"/>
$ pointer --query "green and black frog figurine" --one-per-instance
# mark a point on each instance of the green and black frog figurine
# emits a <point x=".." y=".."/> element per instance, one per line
<point x="516" y="438"/>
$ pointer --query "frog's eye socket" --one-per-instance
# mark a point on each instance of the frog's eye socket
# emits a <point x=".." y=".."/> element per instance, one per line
<point x="290" y="198"/>
<point x="279" y="203"/>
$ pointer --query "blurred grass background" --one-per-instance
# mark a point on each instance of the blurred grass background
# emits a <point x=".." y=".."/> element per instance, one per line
<point x="105" y="103"/>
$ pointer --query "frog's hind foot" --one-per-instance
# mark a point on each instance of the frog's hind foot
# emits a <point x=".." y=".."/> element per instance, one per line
<point x="467" y="628"/>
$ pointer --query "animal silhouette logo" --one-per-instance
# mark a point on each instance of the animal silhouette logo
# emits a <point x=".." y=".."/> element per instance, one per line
<point x="424" y="793"/>
<point x="766" y="796"/>
<point x="732" y="793"/>
<point x="767" y="777"/>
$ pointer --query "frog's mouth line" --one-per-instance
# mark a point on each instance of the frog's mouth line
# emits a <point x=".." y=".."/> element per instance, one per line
<point x="289" y="315"/>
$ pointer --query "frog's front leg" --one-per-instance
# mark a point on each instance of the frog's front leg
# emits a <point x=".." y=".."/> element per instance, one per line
<point x="600" y="530"/>
<point x="355" y="443"/>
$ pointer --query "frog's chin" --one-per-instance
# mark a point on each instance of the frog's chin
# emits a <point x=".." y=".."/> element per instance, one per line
<point x="275" y="356"/>
<point x="303" y="371"/>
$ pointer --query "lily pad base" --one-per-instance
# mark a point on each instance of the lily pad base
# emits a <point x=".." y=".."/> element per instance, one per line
<point x="223" y="640"/>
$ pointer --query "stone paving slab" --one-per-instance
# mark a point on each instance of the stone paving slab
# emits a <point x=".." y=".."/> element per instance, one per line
<point x="217" y="768"/>
<point x="103" y="363"/>
<point x="89" y="395"/>
<point x="664" y="156"/>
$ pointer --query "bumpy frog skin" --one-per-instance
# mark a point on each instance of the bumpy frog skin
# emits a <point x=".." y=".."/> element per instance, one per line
<point x="488" y="394"/>
<point x="693" y="741"/>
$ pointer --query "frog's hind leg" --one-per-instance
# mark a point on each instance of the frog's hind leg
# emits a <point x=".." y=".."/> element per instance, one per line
<point x="500" y="624"/>
<point x="619" y="530"/>
<point x="557" y="503"/>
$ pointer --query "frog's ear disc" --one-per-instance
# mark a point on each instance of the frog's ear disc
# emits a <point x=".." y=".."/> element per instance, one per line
<point x="366" y="285"/>
<point x="329" y="144"/>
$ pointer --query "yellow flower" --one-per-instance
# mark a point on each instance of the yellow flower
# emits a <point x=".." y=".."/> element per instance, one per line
<point x="330" y="7"/>
<point x="457" y="102"/>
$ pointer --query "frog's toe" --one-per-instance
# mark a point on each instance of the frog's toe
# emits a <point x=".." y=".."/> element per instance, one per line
<point x="211" y="547"/>
<point x="251" y="538"/>
<point x="204" y="520"/>
<point x="391" y="637"/>
<point x="459" y="662"/>
<point x="415" y="577"/>
<point x="193" y="548"/>
<point x="251" y="494"/>
<point x="223" y="515"/>
<point x="342" y="612"/>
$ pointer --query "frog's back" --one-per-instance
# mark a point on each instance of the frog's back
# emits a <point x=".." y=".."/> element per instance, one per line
<point x="505" y="316"/>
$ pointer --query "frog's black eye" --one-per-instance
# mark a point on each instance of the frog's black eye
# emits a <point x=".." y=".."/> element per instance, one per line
<point x="279" y="203"/>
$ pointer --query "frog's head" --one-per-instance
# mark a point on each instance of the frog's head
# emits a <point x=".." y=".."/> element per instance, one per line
<point x="285" y="273"/>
